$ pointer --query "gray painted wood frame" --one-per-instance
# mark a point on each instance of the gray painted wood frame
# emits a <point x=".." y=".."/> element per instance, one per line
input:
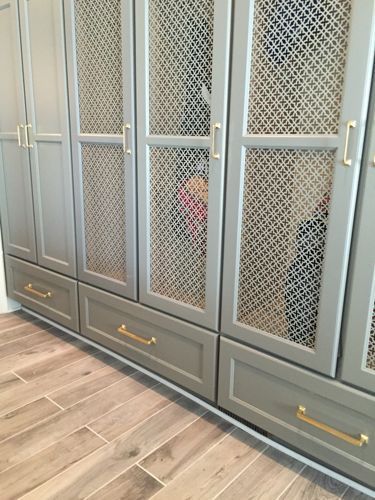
<point x="17" y="212"/>
<point x="208" y="314"/>
<point x="43" y="52"/>
<point x="357" y="366"/>
<point x="345" y="180"/>
<point x="128" y="286"/>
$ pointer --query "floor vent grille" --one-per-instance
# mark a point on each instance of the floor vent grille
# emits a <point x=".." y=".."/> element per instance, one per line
<point x="244" y="422"/>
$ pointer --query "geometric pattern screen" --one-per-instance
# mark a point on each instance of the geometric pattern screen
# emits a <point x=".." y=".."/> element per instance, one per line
<point x="180" y="66"/>
<point x="103" y="176"/>
<point x="99" y="65"/>
<point x="285" y="215"/>
<point x="297" y="66"/>
<point x="371" y="346"/>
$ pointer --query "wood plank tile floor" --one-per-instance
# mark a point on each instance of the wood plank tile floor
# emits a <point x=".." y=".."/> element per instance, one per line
<point x="76" y="423"/>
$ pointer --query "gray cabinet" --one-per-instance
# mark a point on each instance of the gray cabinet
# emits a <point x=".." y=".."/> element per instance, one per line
<point x="182" y="79"/>
<point x="358" y="363"/>
<point x="34" y="99"/>
<point x="299" y="100"/>
<point x="100" y="64"/>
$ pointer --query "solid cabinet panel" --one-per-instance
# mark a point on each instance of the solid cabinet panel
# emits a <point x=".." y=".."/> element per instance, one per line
<point x="42" y="33"/>
<point x="183" y="59"/>
<point x="16" y="193"/>
<point x="297" y="87"/>
<point x="100" y="62"/>
<point x="358" y="362"/>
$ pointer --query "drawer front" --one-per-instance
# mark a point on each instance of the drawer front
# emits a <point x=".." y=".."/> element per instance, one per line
<point x="43" y="291"/>
<point x="183" y="353"/>
<point x="268" y="392"/>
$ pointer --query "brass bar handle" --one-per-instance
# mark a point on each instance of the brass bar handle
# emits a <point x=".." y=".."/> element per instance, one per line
<point x="122" y="329"/>
<point x="350" y="124"/>
<point x="28" y="145"/>
<point x="215" y="126"/>
<point x="355" y="441"/>
<point x="29" y="288"/>
<point x="19" y="126"/>
<point x="125" y="138"/>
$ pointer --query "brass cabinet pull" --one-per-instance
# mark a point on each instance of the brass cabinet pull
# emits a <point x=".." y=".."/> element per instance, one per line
<point x="215" y="126"/>
<point x="125" y="139"/>
<point x="28" y="145"/>
<point x="350" y="124"/>
<point x="355" y="441"/>
<point x="29" y="288"/>
<point x="122" y="329"/>
<point x="19" y="126"/>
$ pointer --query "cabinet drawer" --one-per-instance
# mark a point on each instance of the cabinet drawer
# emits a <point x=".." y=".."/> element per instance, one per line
<point x="184" y="353"/>
<point x="43" y="291"/>
<point x="267" y="392"/>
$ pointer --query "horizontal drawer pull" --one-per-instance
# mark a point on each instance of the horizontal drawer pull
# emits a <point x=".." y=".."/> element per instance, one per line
<point x="29" y="288"/>
<point x="122" y="329"/>
<point x="355" y="441"/>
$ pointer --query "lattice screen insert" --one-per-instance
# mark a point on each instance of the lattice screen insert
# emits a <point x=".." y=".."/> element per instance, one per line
<point x="104" y="209"/>
<point x="371" y="346"/>
<point x="180" y="59"/>
<point x="297" y="66"/>
<point x="179" y="200"/>
<point x="284" y="221"/>
<point x="99" y="65"/>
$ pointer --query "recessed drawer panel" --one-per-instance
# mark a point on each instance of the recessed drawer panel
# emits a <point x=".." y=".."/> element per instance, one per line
<point x="43" y="291"/>
<point x="184" y="353"/>
<point x="321" y="417"/>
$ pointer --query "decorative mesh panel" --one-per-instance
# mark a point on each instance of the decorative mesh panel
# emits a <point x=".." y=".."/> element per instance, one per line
<point x="371" y="346"/>
<point x="284" y="221"/>
<point x="297" y="66"/>
<point x="179" y="200"/>
<point x="180" y="52"/>
<point x="99" y="65"/>
<point x="104" y="209"/>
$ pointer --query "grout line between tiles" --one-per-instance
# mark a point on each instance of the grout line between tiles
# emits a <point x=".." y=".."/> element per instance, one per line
<point x="150" y="474"/>
<point x="19" y="376"/>
<point x="99" y="435"/>
<point x="24" y="337"/>
<point x="343" y="493"/>
<point x="291" y="482"/>
<point x="53" y="402"/>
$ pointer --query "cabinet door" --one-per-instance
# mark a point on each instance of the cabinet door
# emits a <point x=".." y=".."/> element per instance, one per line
<point x="298" y="85"/>
<point x="182" y="81"/>
<point x="100" y="52"/>
<point x="358" y="364"/>
<point x="43" y="52"/>
<point x="17" y="219"/>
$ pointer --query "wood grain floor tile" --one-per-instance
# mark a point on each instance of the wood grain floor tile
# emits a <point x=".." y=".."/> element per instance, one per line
<point x="16" y="346"/>
<point x="20" y="332"/>
<point x="73" y="351"/>
<point x="314" y="485"/>
<point x="128" y="415"/>
<point x="214" y="470"/>
<point x="16" y="318"/>
<point x="108" y="462"/>
<point x="352" y="494"/>
<point x="31" y="473"/>
<point x="267" y="477"/>
<point x="134" y="484"/>
<point x="9" y="381"/>
<point x="81" y="389"/>
<point x="24" y="417"/>
<point x="31" y="441"/>
<point x="79" y="370"/>
<point x="181" y="451"/>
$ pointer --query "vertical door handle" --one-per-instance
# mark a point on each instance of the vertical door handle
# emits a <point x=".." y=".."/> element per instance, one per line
<point x="350" y="124"/>
<point x="28" y="145"/>
<point x="19" y="126"/>
<point x="125" y="139"/>
<point x="215" y="127"/>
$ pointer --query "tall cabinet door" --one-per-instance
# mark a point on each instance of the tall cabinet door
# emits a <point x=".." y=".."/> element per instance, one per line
<point x="182" y="80"/>
<point x="300" y="85"/>
<point x="100" y="49"/>
<point x="47" y="132"/>
<point x="358" y="363"/>
<point x="17" y="221"/>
